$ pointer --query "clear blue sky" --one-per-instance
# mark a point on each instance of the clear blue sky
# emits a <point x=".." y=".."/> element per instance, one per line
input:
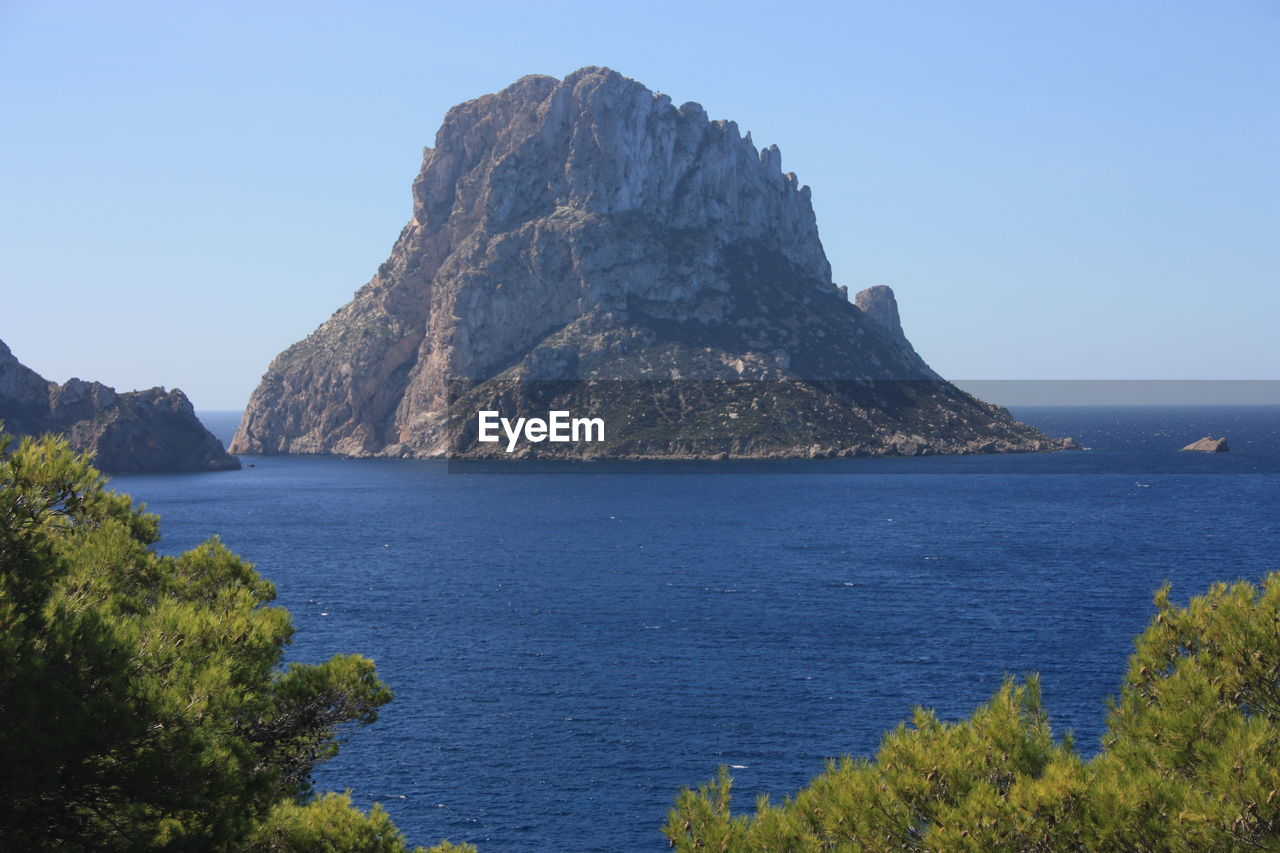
<point x="1055" y="190"/>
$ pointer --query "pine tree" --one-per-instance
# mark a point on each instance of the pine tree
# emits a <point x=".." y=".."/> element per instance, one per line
<point x="1190" y="762"/>
<point x="143" y="702"/>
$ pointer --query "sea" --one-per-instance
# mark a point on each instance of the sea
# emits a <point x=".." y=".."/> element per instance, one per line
<point x="570" y="646"/>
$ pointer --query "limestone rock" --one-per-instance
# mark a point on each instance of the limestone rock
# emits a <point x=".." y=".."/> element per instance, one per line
<point x="137" y="431"/>
<point x="24" y="395"/>
<point x="880" y="305"/>
<point x="1209" y="444"/>
<point x="586" y="229"/>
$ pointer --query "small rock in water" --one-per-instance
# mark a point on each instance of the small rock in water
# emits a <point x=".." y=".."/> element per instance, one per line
<point x="1208" y="444"/>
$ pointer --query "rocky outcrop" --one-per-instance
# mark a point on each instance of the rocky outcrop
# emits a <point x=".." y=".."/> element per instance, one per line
<point x="1209" y="444"/>
<point x="589" y="231"/>
<point x="137" y="431"/>
<point x="880" y="306"/>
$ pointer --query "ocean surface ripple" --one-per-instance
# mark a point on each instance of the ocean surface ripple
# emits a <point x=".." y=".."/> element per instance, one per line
<point x="568" y="650"/>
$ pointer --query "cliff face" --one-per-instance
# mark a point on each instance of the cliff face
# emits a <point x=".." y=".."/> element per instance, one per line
<point x="588" y="229"/>
<point x="137" y="431"/>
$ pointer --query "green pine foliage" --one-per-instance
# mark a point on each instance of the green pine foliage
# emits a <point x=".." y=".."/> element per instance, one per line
<point x="1190" y="761"/>
<point x="143" y="705"/>
<point x="330" y="823"/>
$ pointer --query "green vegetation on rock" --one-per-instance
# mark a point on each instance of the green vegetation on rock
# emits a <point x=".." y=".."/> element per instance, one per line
<point x="143" y="704"/>
<point x="1190" y="761"/>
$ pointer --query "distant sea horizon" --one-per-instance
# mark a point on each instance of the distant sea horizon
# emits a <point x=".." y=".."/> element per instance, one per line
<point x="1133" y="436"/>
<point x="1023" y="393"/>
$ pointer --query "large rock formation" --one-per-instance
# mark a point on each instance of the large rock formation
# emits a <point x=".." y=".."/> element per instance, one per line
<point x="636" y="256"/>
<point x="137" y="431"/>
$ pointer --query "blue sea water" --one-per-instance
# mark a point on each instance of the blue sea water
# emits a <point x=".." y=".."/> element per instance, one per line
<point x="568" y="650"/>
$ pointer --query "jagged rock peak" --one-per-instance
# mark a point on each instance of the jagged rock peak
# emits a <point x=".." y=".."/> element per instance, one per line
<point x="20" y="386"/>
<point x="136" y="431"/>
<point x="602" y="143"/>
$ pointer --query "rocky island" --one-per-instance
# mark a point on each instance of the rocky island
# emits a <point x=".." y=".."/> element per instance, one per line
<point x="1209" y="444"/>
<point x="132" y="432"/>
<point x="586" y="245"/>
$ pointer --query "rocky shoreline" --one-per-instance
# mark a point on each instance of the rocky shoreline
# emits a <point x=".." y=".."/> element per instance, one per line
<point x="147" y="431"/>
